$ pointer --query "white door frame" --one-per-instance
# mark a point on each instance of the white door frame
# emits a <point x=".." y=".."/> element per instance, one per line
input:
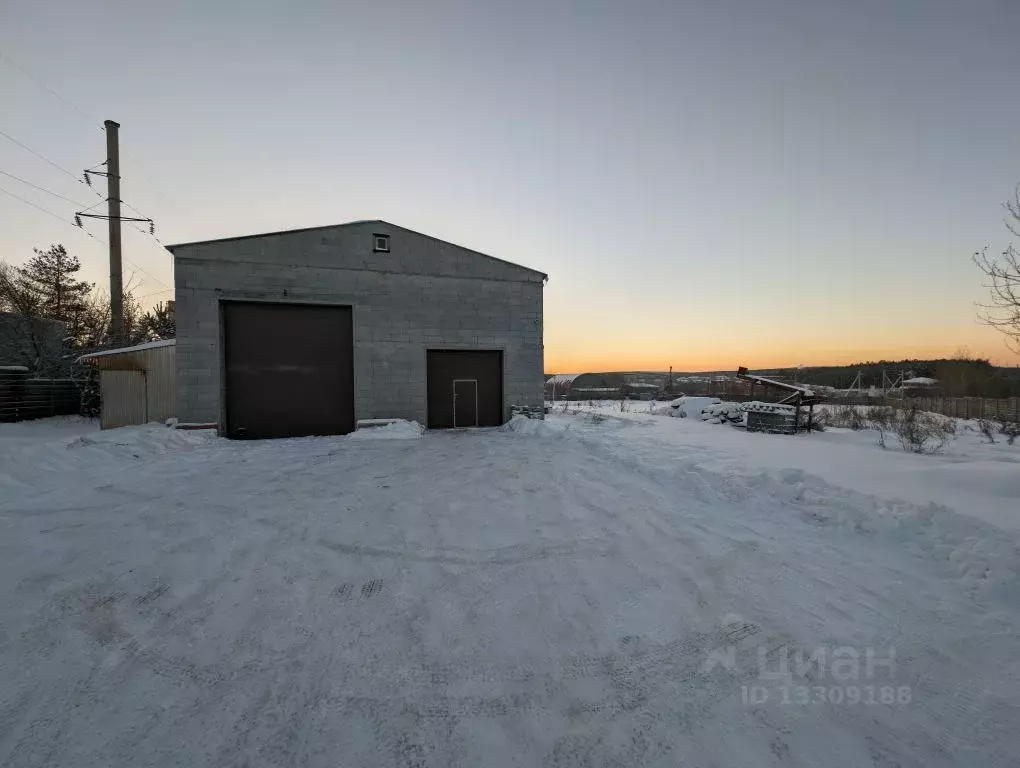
<point x="463" y="381"/>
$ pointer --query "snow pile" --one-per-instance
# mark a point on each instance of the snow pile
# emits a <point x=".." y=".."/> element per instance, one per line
<point x="53" y="452"/>
<point x="980" y="557"/>
<point x="142" y="442"/>
<point x="522" y="425"/>
<point x="400" y="429"/>
<point x="685" y="406"/>
<point x="710" y="409"/>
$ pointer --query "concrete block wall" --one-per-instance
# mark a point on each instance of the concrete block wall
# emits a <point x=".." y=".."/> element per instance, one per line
<point x="423" y="294"/>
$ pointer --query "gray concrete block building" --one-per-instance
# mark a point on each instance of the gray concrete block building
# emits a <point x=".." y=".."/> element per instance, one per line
<point x="308" y="331"/>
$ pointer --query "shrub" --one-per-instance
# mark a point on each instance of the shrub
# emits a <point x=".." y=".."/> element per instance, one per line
<point x="987" y="427"/>
<point x="880" y="418"/>
<point x="920" y="431"/>
<point x="819" y="420"/>
<point x="846" y="415"/>
<point x="1010" y="430"/>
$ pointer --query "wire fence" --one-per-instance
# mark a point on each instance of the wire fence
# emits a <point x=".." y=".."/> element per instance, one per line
<point x="23" y="398"/>
<point x="995" y="409"/>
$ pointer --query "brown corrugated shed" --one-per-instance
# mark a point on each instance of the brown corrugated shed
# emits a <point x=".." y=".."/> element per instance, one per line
<point x="136" y="399"/>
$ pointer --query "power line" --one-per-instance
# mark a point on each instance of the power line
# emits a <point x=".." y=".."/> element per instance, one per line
<point x="150" y="232"/>
<point x="131" y="207"/>
<point x="57" y="216"/>
<point x="149" y="295"/>
<point x="46" y="211"/>
<point x="41" y="189"/>
<point x="25" y="73"/>
<point x="148" y="274"/>
<point x="84" y="210"/>
<point x="86" y="232"/>
<point x="45" y="159"/>
<point x="91" y="118"/>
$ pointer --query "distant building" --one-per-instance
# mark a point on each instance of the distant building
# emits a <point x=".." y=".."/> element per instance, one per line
<point x="35" y="343"/>
<point x="583" y="386"/>
<point x="920" y="386"/>
<point x="643" y="390"/>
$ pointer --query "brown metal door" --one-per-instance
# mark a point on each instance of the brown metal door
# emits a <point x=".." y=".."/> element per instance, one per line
<point x="289" y="370"/>
<point x="465" y="388"/>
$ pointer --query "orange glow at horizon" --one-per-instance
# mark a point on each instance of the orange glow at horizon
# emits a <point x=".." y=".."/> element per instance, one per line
<point x="561" y="358"/>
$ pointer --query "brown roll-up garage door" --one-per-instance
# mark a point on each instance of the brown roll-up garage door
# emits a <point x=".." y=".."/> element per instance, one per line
<point x="465" y="388"/>
<point x="289" y="369"/>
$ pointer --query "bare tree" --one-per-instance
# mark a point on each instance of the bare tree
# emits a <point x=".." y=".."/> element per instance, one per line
<point x="1002" y="279"/>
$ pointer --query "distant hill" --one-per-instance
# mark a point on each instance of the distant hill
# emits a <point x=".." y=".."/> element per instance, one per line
<point x="957" y="378"/>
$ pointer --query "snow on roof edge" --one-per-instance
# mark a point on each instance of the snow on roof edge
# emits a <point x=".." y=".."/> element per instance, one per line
<point x="135" y="348"/>
<point x="562" y="378"/>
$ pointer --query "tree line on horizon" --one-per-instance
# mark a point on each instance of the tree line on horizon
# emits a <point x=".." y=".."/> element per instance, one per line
<point x="961" y="375"/>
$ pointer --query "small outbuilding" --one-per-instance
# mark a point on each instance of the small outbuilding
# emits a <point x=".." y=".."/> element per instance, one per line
<point x="136" y="383"/>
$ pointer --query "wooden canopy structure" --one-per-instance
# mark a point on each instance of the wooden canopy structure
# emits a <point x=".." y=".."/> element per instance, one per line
<point x="799" y="397"/>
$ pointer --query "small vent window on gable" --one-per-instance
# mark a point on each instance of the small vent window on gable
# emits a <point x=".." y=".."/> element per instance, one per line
<point x="381" y="243"/>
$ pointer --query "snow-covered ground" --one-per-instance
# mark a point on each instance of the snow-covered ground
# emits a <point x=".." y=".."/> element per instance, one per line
<point x="581" y="591"/>
<point x="46" y="429"/>
<point x="972" y="476"/>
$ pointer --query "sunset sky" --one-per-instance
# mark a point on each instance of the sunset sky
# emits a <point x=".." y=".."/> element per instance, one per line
<point x="707" y="184"/>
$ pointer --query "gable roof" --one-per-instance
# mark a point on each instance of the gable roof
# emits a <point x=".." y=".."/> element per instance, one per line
<point x="351" y="224"/>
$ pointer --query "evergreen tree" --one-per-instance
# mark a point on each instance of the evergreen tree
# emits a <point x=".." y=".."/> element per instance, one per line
<point x="159" y="323"/>
<point x="51" y="277"/>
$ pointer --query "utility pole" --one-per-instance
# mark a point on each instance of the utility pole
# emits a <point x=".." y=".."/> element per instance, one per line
<point x="113" y="212"/>
<point x="113" y="217"/>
